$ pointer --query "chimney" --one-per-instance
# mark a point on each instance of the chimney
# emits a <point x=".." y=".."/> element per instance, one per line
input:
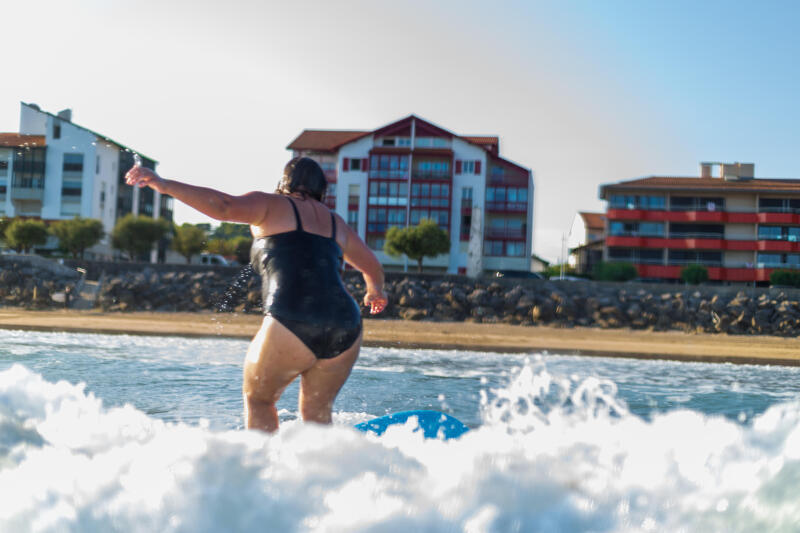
<point x="737" y="171"/>
<point x="65" y="114"/>
<point x="705" y="170"/>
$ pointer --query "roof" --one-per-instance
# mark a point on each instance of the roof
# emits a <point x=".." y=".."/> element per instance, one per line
<point x="593" y="220"/>
<point x="325" y="140"/>
<point x="15" y="140"/>
<point x="545" y="262"/>
<point x="477" y="139"/>
<point x="98" y="135"/>
<point x="666" y="183"/>
<point x="332" y="140"/>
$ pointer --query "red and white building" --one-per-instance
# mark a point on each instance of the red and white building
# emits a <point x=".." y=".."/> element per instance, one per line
<point x="412" y="169"/>
<point x="740" y="227"/>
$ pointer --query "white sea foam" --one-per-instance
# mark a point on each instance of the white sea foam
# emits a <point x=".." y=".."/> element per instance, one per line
<point x="554" y="453"/>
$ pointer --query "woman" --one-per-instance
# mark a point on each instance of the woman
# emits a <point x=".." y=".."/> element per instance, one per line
<point x="312" y="326"/>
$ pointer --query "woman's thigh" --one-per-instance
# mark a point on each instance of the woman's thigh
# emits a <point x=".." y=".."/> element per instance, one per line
<point x="274" y="359"/>
<point x="322" y="381"/>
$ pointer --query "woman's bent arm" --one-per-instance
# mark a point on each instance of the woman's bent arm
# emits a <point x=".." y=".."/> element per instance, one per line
<point x="246" y="209"/>
<point x="358" y="254"/>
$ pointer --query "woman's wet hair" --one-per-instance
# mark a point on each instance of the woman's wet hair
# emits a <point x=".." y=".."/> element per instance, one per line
<point x="303" y="175"/>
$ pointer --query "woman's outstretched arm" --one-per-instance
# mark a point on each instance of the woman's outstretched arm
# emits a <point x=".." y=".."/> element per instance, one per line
<point x="249" y="208"/>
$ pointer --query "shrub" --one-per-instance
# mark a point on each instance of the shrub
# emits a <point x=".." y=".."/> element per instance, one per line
<point x="621" y="271"/>
<point x="786" y="278"/>
<point x="694" y="274"/>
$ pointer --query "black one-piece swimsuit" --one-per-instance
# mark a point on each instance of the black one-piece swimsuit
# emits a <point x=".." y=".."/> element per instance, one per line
<point x="302" y="288"/>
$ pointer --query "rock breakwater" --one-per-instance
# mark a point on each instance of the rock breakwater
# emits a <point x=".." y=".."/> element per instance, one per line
<point x="707" y="309"/>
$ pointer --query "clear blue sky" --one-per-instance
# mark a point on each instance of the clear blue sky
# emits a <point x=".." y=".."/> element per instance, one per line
<point x="583" y="93"/>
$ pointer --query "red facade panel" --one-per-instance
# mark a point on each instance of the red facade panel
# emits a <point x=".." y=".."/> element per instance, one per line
<point x="714" y="273"/>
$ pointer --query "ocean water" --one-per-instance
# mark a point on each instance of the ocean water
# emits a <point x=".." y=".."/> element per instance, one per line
<point x="121" y="433"/>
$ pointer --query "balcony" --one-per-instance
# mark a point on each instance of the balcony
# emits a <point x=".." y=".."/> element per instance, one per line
<point x="507" y="207"/>
<point x="507" y="234"/>
<point x="28" y="190"/>
<point x="436" y="175"/>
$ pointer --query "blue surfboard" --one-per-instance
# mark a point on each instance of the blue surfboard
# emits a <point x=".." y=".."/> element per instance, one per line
<point x="433" y="424"/>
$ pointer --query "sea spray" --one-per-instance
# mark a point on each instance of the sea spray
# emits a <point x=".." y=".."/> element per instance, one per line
<point x="551" y="452"/>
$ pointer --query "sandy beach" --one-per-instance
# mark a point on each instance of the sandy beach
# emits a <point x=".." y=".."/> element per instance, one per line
<point x="444" y="335"/>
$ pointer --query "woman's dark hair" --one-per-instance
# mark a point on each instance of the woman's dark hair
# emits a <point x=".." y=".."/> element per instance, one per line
<point x="303" y="175"/>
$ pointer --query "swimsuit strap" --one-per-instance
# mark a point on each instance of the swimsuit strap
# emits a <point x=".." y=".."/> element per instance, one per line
<point x="296" y="214"/>
<point x="333" y="223"/>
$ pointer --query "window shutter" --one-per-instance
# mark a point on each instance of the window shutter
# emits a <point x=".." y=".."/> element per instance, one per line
<point x="458" y="166"/>
<point x="346" y="163"/>
<point x="477" y="167"/>
<point x="364" y="164"/>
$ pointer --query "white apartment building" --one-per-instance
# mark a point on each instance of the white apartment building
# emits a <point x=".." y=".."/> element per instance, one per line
<point x="412" y="169"/>
<point x="54" y="169"/>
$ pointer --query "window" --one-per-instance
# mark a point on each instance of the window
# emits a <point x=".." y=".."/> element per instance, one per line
<point x="392" y="193"/>
<point x="56" y="130"/>
<point x="71" y="184"/>
<point x="389" y="166"/>
<point x="376" y="243"/>
<point x="431" y="142"/>
<point x="507" y="199"/>
<point x="353" y="197"/>
<point x="632" y="201"/>
<point x="466" y="212"/>
<point x="430" y="195"/>
<point x="638" y="256"/>
<point x="685" y="257"/>
<point x="355" y="164"/>
<point x="388" y="141"/>
<point x="330" y="196"/>
<point x="515" y="249"/>
<point x="696" y="231"/>
<point x="779" y="205"/>
<point x="381" y="219"/>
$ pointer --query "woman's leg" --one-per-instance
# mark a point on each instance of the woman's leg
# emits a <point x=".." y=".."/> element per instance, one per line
<point x="321" y="383"/>
<point x="275" y="357"/>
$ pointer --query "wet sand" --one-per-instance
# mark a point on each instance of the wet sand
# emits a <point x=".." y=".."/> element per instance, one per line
<point x="443" y="335"/>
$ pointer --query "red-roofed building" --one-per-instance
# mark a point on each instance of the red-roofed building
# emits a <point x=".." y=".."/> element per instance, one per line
<point x="412" y="169"/>
<point x="740" y="227"/>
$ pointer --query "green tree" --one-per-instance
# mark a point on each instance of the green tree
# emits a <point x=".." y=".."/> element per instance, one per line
<point x="241" y="249"/>
<point x="22" y="235"/>
<point x="5" y="222"/>
<point x="78" y="234"/>
<point x="554" y="271"/>
<point x="220" y="246"/>
<point x="616" y="271"/>
<point x="694" y="274"/>
<point x="228" y="230"/>
<point x="425" y="240"/>
<point x="188" y="240"/>
<point x="137" y="235"/>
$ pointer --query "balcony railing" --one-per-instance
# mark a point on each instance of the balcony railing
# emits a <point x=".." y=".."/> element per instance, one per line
<point x="432" y="175"/>
<point x="695" y="235"/>
<point x="395" y="174"/>
<point x="684" y="262"/>
<point x="516" y="207"/>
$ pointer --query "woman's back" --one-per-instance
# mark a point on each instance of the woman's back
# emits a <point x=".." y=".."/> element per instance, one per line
<point x="300" y="270"/>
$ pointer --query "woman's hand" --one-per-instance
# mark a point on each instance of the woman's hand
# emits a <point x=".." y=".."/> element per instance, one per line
<point x="139" y="176"/>
<point x="376" y="300"/>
